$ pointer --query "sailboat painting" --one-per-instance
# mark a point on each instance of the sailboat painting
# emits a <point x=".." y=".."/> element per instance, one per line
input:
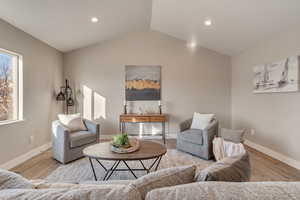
<point x="282" y="76"/>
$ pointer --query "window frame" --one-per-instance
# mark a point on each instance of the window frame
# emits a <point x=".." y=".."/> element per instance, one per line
<point x="18" y="76"/>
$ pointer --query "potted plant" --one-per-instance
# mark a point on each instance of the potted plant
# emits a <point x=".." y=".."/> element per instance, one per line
<point x="121" y="143"/>
<point x="121" y="140"/>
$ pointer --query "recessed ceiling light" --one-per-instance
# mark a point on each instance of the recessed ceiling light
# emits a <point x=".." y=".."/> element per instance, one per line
<point x="207" y="22"/>
<point x="192" y="44"/>
<point x="94" y="19"/>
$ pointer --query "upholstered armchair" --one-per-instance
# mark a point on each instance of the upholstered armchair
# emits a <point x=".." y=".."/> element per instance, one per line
<point x="67" y="146"/>
<point x="195" y="141"/>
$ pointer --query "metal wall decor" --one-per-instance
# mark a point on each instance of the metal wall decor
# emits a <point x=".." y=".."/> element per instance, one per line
<point x="66" y="94"/>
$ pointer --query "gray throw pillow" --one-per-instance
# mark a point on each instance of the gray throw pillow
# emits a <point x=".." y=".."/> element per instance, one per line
<point x="231" y="169"/>
<point x="236" y="136"/>
<point x="11" y="180"/>
<point x="164" y="178"/>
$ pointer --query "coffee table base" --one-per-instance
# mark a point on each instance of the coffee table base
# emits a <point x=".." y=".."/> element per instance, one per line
<point x="114" y="167"/>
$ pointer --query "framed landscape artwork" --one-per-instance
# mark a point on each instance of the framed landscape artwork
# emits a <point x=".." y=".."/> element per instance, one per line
<point x="142" y="83"/>
<point x="282" y="76"/>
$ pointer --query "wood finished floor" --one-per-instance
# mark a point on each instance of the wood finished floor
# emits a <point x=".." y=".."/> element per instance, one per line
<point x="264" y="168"/>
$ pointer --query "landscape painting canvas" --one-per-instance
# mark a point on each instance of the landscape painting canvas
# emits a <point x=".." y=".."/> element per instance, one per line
<point x="143" y="83"/>
<point x="282" y="76"/>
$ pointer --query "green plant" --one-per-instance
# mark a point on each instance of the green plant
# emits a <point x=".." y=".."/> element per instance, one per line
<point x="121" y="140"/>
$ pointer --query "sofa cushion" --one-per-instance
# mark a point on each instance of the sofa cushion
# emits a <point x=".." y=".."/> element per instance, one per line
<point x="44" y="184"/>
<point x="235" y="136"/>
<point x="232" y="169"/>
<point x="164" y="178"/>
<point x="228" y="191"/>
<point x="194" y="136"/>
<point x="11" y="180"/>
<point x="77" y="192"/>
<point x="82" y="138"/>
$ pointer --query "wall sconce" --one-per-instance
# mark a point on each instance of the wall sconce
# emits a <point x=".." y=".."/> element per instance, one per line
<point x="65" y="94"/>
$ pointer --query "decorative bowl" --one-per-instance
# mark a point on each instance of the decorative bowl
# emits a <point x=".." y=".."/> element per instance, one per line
<point x="134" y="145"/>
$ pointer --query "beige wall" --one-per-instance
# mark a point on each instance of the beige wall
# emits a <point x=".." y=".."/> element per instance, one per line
<point x="42" y="74"/>
<point x="275" y="116"/>
<point x="192" y="80"/>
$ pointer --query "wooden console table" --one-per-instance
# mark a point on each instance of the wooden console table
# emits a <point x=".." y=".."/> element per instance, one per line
<point x="147" y="118"/>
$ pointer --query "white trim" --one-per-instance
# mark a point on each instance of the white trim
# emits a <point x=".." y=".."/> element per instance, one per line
<point x="285" y="159"/>
<point x="10" y="52"/>
<point x="7" y="122"/>
<point x="20" y="87"/>
<point x="20" y="159"/>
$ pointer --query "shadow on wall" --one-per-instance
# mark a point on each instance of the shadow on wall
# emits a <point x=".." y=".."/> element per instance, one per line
<point x="94" y="104"/>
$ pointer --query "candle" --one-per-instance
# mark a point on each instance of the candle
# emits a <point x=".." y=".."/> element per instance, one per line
<point x="159" y="106"/>
<point x="125" y="107"/>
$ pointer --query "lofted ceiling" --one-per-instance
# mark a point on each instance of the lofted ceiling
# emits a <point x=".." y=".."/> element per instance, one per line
<point x="236" y="24"/>
<point x="65" y="24"/>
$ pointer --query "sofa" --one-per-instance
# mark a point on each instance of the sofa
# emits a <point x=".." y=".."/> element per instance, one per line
<point x="118" y="190"/>
<point x="228" y="191"/>
<point x="175" y="183"/>
<point x="67" y="146"/>
<point x="195" y="141"/>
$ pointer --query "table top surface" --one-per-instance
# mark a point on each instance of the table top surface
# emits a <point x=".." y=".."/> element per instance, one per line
<point x="143" y="118"/>
<point x="147" y="150"/>
<point x="143" y="115"/>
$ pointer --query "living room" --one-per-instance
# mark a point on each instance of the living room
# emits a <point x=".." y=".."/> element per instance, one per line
<point x="99" y="97"/>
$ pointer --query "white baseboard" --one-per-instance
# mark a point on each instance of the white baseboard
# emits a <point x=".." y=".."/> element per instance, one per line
<point x="285" y="159"/>
<point x="20" y="159"/>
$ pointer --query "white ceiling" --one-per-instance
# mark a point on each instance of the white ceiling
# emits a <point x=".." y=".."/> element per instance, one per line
<point x="237" y="24"/>
<point x="65" y="24"/>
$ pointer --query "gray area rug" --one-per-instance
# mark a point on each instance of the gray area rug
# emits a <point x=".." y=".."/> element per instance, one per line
<point x="80" y="170"/>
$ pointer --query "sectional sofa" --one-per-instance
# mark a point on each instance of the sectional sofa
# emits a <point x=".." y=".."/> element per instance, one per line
<point x="178" y="183"/>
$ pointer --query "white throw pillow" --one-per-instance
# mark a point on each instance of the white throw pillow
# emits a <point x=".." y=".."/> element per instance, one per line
<point x="201" y="121"/>
<point x="73" y="122"/>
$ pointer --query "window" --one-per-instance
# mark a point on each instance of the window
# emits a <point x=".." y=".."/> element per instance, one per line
<point x="11" y="96"/>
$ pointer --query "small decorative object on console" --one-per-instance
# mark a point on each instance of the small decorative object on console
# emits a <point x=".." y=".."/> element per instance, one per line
<point x="159" y="107"/>
<point x="123" y="144"/>
<point x="141" y="111"/>
<point x="125" y="107"/>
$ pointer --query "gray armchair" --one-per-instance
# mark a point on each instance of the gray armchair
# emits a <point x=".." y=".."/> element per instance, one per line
<point x="195" y="141"/>
<point x="68" y="146"/>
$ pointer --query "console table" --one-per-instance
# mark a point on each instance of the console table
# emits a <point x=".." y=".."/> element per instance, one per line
<point x="146" y="118"/>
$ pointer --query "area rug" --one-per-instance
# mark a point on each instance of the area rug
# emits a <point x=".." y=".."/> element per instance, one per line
<point x="80" y="170"/>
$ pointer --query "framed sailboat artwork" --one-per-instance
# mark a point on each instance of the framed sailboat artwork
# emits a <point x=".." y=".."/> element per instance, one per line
<point x="281" y="76"/>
